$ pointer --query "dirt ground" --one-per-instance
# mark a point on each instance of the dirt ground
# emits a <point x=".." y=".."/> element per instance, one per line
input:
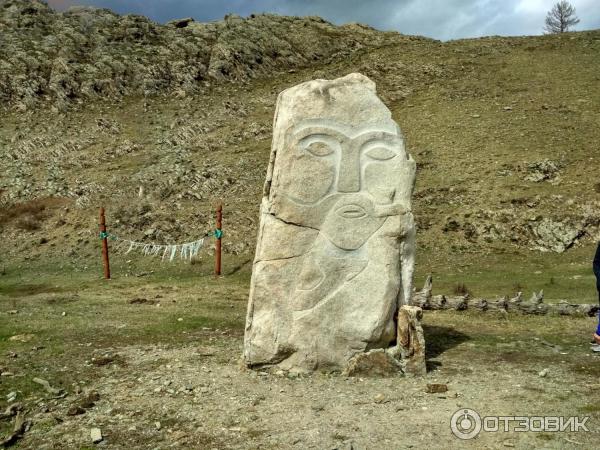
<point x="154" y="362"/>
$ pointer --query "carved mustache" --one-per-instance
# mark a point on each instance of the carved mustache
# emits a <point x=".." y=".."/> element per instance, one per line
<point x="360" y="205"/>
<point x="394" y="209"/>
<point x="356" y="206"/>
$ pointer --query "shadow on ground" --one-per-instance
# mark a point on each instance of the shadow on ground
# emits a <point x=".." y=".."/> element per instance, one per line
<point x="439" y="340"/>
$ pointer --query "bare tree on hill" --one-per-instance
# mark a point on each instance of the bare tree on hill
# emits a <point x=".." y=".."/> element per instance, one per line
<point x="560" y="18"/>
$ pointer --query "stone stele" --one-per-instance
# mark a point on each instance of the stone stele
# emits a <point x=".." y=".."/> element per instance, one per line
<point x="335" y="252"/>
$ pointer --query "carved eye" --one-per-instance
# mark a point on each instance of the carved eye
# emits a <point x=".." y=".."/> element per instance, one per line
<point x="319" y="149"/>
<point x="380" y="153"/>
<point x="320" y="145"/>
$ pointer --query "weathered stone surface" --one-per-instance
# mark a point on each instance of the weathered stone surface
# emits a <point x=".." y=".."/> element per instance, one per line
<point x="96" y="435"/>
<point x="374" y="363"/>
<point x="335" y="251"/>
<point x="542" y="170"/>
<point x="436" y="388"/>
<point x="555" y="236"/>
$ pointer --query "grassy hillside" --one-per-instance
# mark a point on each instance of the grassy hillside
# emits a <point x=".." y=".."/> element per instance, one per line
<point x="504" y="131"/>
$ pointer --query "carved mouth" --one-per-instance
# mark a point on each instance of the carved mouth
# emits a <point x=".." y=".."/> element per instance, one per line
<point x="351" y="211"/>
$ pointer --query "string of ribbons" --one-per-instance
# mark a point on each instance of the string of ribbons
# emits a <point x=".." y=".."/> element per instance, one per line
<point x="186" y="250"/>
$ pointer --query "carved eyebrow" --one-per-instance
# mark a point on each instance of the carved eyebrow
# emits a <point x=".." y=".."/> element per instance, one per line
<point x="310" y="130"/>
<point x="391" y="141"/>
<point x="388" y="143"/>
<point x="377" y="136"/>
<point x="341" y="132"/>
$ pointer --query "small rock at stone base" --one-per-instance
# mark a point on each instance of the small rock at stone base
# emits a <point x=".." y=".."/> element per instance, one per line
<point x="543" y="373"/>
<point x="375" y="363"/>
<point x="96" y="435"/>
<point x="436" y="388"/>
<point x="380" y="398"/>
<point x="102" y="360"/>
<point x="75" y="410"/>
<point x="90" y="399"/>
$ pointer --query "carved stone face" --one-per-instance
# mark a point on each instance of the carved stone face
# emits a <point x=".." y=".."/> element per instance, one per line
<point x="334" y="256"/>
<point x="347" y="175"/>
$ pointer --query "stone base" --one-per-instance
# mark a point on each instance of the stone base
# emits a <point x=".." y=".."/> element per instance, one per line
<point x="374" y="363"/>
<point x="407" y="357"/>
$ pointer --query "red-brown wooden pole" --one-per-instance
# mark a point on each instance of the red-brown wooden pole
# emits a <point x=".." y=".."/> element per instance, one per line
<point x="218" y="237"/>
<point x="104" y="237"/>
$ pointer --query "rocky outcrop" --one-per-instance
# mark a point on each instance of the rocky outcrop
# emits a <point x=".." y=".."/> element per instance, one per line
<point x="88" y="53"/>
<point x="555" y="236"/>
<point x="545" y="170"/>
<point x="544" y="234"/>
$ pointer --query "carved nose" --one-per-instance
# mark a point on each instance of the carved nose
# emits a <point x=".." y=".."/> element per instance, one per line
<point x="349" y="172"/>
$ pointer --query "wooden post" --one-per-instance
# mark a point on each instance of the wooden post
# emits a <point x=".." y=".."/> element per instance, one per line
<point x="218" y="237"/>
<point x="104" y="238"/>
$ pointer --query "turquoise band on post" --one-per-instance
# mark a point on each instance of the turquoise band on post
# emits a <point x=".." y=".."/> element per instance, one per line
<point x="218" y="233"/>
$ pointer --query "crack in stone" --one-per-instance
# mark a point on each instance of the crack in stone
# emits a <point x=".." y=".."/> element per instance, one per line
<point x="291" y="223"/>
<point x="280" y="259"/>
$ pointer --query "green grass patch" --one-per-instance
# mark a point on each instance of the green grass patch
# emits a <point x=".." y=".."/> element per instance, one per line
<point x="561" y="276"/>
<point x="23" y="290"/>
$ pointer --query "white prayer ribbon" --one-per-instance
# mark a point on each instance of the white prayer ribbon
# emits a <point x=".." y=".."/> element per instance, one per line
<point x="187" y="250"/>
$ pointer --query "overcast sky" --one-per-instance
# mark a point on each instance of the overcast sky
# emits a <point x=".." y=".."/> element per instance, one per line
<point x="440" y="19"/>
